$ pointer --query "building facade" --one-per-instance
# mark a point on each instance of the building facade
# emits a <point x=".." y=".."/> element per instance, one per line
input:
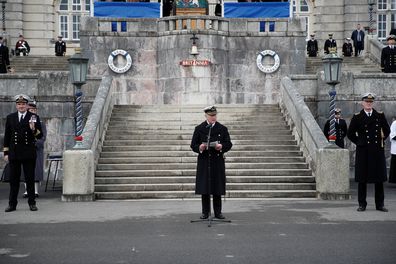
<point x="41" y="21"/>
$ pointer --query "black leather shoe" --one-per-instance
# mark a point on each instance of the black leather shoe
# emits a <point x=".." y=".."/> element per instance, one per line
<point x="33" y="207"/>
<point x="36" y="195"/>
<point x="204" y="216"/>
<point x="382" y="209"/>
<point x="25" y="195"/>
<point x="10" y="209"/>
<point x="219" y="216"/>
<point x="361" y="209"/>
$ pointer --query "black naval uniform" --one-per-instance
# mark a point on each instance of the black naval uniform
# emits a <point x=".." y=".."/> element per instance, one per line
<point x="4" y="59"/>
<point x="217" y="176"/>
<point x="369" y="133"/>
<point x="341" y="131"/>
<point x="329" y="43"/>
<point x="347" y="49"/>
<point x="20" y="146"/>
<point x="312" y="48"/>
<point x="388" y="59"/>
<point x="60" y="48"/>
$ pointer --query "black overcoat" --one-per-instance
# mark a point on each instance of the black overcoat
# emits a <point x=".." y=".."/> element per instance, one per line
<point x="341" y="131"/>
<point x="19" y="139"/>
<point x="369" y="133"/>
<point x="329" y="43"/>
<point x="4" y="59"/>
<point x="217" y="166"/>
<point x="312" y="48"/>
<point x="388" y="59"/>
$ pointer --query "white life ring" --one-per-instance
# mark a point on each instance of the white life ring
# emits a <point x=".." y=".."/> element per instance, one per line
<point x="268" y="69"/>
<point x="126" y="67"/>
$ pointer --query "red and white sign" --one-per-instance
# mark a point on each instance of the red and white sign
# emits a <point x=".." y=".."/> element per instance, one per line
<point x="187" y="63"/>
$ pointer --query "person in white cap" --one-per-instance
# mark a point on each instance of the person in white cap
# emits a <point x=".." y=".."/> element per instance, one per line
<point x="388" y="55"/>
<point x="210" y="175"/>
<point x="330" y="44"/>
<point x="312" y="46"/>
<point x="347" y="48"/>
<point x="60" y="47"/>
<point x="368" y="130"/>
<point x="22" y="129"/>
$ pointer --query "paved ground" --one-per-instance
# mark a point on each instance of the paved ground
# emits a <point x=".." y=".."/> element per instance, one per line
<point x="262" y="231"/>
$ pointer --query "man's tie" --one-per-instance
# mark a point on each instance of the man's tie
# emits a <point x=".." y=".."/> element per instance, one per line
<point x="369" y="114"/>
<point x="20" y="120"/>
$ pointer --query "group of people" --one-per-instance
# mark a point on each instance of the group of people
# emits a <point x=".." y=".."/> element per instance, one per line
<point x="358" y="44"/>
<point x="368" y="130"/>
<point x="22" y="48"/>
<point x="388" y="54"/>
<point x="23" y="150"/>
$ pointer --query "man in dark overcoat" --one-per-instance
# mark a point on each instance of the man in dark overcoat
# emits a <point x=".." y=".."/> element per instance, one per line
<point x="388" y="55"/>
<point x="22" y="128"/>
<point x="210" y="176"/>
<point x="330" y="43"/>
<point x="4" y="57"/>
<point x="368" y="130"/>
<point x="340" y="128"/>
<point x="358" y="40"/>
<point x="312" y="46"/>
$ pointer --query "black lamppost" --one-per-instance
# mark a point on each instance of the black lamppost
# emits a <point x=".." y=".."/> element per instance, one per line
<point x="78" y="74"/>
<point x="332" y="74"/>
<point x="371" y="4"/>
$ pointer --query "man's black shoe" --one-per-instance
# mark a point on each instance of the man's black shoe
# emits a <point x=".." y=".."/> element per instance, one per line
<point x="361" y="209"/>
<point x="219" y="216"/>
<point x="10" y="209"/>
<point x="204" y="216"/>
<point x="33" y="207"/>
<point x="382" y="209"/>
<point x="25" y="195"/>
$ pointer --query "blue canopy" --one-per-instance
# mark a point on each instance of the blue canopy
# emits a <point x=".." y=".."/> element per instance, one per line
<point x="127" y="10"/>
<point x="257" y="10"/>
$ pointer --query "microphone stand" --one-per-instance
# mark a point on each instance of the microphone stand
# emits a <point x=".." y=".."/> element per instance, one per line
<point x="210" y="217"/>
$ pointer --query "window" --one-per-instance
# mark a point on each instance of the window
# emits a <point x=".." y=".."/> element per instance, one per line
<point x="77" y="5"/>
<point x="393" y="21"/>
<point x="64" y="26"/>
<point x="304" y="6"/>
<point x="63" y="5"/>
<point x="381" y="26"/>
<point x="382" y="4"/>
<point x="393" y="4"/>
<point x="70" y="12"/>
<point x="76" y="27"/>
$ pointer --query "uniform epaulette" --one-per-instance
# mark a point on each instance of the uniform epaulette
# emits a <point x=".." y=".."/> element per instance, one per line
<point x="357" y="113"/>
<point x="380" y="112"/>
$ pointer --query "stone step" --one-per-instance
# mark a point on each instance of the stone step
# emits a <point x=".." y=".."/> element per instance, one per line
<point x="191" y="179"/>
<point x="178" y="159"/>
<point x="172" y="131"/>
<point x="189" y="153"/>
<point x="191" y="172"/>
<point x="180" y="142"/>
<point x="188" y="136"/>
<point x="259" y="127"/>
<point x="254" y="147"/>
<point x="191" y="187"/>
<point x="190" y="194"/>
<point x="194" y="120"/>
<point x="193" y="165"/>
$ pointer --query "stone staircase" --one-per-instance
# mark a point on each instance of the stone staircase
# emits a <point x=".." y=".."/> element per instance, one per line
<point x="352" y="64"/>
<point x="146" y="154"/>
<point x="35" y="64"/>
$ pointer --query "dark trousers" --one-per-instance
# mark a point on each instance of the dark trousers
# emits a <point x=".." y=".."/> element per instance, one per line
<point x="15" y="179"/>
<point x="358" y="48"/>
<point x="379" y="194"/>
<point x="206" y="204"/>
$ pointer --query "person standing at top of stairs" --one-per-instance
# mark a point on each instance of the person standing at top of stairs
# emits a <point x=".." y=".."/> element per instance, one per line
<point x="388" y="55"/>
<point x="358" y="40"/>
<point x="22" y="47"/>
<point x="60" y="47"/>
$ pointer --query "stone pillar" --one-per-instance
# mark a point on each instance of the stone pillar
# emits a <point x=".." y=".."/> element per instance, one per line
<point x="332" y="174"/>
<point x="79" y="175"/>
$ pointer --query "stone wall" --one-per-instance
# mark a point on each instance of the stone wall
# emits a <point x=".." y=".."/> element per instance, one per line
<point x="231" y="45"/>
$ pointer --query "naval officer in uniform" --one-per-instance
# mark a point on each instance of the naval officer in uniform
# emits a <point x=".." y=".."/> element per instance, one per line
<point x="22" y="128"/>
<point x="210" y="175"/>
<point x="368" y="130"/>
